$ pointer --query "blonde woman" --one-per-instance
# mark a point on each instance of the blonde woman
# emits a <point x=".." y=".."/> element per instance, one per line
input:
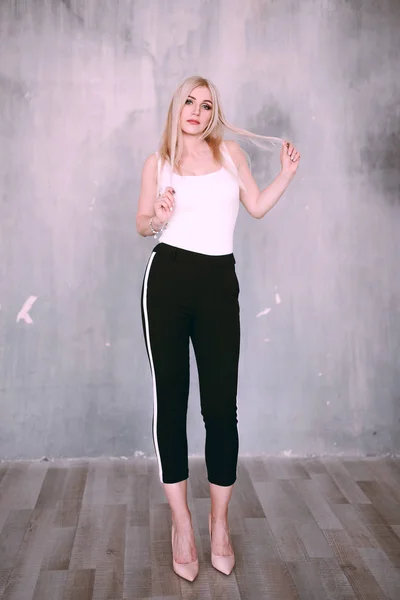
<point x="190" y="194"/>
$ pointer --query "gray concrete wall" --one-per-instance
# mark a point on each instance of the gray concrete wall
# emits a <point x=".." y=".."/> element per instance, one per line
<point x="84" y="88"/>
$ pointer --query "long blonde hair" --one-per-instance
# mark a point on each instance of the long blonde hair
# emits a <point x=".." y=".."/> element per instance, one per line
<point x="171" y="146"/>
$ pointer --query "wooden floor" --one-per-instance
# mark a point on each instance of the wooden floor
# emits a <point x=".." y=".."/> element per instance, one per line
<point x="311" y="529"/>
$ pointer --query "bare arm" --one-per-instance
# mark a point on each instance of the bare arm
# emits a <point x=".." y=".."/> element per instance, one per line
<point x="150" y="206"/>
<point x="147" y="197"/>
<point x="256" y="202"/>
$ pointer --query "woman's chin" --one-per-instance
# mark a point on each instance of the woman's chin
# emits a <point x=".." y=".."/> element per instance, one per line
<point x="192" y="130"/>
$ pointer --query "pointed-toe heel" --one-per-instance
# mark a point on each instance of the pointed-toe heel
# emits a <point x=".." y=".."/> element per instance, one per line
<point x="224" y="564"/>
<point x="188" y="571"/>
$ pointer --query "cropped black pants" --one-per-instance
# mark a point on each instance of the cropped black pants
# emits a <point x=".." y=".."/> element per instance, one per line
<point x="187" y="295"/>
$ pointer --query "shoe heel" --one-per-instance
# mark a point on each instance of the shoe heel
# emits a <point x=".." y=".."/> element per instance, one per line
<point x="224" y="564"/>
<point x="188" y="571"/>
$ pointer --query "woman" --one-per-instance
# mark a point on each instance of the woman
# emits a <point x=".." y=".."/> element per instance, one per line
<point x="190" y="291"/>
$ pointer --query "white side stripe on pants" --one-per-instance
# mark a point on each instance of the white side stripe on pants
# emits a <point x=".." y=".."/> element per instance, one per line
<point x="153" y="374"/>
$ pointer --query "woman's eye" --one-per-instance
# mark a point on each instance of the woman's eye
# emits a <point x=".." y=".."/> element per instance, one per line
<point x="206" y="106"/>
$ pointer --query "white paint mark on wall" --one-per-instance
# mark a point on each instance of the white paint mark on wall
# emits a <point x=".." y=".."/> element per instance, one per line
<point x="24" y="312"/>
<point x="267" y="340"/>
<point x="263" y="312"/>
<point x="287" y="452"/>
<point x="108" y="344"/>
<point x="277" y="298"/>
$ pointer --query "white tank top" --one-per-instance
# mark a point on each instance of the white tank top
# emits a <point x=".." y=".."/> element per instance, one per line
<point x="206" y="209"/>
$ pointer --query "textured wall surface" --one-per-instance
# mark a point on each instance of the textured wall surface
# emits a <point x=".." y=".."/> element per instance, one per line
<point x="84" y="88"/>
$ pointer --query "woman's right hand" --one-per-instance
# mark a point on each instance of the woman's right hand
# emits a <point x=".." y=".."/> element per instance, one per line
<point x="164" y="205"/>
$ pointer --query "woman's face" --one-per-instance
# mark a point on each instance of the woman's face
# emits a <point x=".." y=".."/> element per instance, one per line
<point x="196" y="112"/>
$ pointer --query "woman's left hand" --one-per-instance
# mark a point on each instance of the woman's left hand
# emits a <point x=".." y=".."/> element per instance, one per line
<point x="290" y="158"/>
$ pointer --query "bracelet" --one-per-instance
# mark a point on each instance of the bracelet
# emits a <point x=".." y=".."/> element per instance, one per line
<point x="154" y="231"/>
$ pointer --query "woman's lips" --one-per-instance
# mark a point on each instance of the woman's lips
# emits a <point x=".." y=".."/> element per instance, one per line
<point x="194" y="122"/>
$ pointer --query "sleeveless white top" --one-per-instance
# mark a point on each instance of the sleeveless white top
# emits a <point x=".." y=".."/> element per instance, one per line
<point x="206" y="209"/>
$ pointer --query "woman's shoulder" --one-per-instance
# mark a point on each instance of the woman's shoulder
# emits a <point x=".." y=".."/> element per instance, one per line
<point x="151" y="160"/>
<point x="231" y="145"/>
<point x="235" y="151"/>
<point x="150" y="166"/>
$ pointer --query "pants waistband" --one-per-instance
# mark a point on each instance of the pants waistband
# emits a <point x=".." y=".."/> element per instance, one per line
<point x="180" y="254"/>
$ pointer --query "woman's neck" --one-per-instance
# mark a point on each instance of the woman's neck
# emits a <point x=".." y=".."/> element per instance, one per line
<point x="193" y="146"/>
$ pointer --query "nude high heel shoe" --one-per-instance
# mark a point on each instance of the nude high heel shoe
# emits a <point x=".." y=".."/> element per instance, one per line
<point x="224" y="564"/>
<point x="188" y="571"/>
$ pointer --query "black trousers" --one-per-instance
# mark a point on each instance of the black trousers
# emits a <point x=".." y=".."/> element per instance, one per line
<point x="187" y="295"/>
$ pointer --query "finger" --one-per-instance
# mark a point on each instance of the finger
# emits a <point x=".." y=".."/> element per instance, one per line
<point x="171" y="199"/>
<point x="165" y="206"/>
<point x="167" y="198"/>
<point x="167" y="193"/>
<point x="170" y="196"/>
<point x="169" y="189"/>
<point x="161" y="202"/>
<point x="170" y="204"/>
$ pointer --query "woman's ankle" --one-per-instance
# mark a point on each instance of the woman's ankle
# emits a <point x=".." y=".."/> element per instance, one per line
<point x="181" y="519"/>
<point x="219" y="517"/>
